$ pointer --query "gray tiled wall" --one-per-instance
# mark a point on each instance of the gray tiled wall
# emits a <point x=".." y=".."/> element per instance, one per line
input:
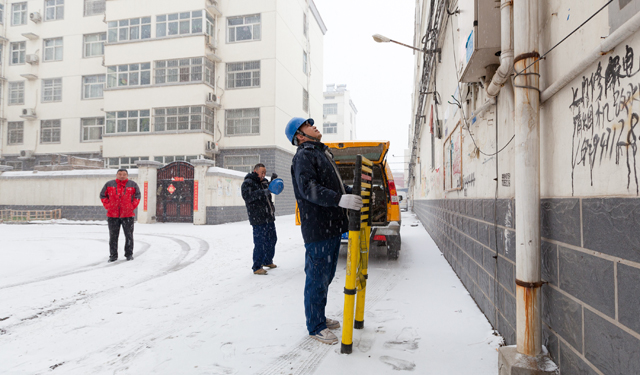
<point x="590" y="253"/>
<point x="68" y="212"/>
<point x="228" y="214"/>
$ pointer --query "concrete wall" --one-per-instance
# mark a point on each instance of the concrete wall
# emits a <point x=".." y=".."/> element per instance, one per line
<point x="588" y="182"/>
<point x="77" y="193"/>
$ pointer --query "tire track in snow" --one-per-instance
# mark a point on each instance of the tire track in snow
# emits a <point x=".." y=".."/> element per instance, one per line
<point x="89" y="267"/>
<point x="305" y="357"/>
<point x="176" y="265"/>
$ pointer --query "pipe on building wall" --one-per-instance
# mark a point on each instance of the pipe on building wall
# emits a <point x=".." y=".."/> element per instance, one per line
<point x="506" y="59"/>
<point x="527" y="181"/>
<point x="611" y="42"/>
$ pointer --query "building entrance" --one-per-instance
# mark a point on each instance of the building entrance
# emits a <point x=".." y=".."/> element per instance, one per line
<point x="175" y="193"/>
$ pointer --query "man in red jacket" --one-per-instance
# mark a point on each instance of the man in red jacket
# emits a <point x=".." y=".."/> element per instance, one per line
<point x="120" y="197"/>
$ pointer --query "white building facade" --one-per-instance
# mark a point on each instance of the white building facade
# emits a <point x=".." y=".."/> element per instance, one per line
<point x="468" y="162"/>
<point x="338" y="115"/>
<point x="162" y="80"/>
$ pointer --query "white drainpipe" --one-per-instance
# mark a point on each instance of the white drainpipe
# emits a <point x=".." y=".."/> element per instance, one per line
<point x="506" y="59"/>
<point x="527" y="178"/>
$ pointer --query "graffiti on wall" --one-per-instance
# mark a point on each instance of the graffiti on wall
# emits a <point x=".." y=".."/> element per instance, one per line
<point x="605" y="119"/>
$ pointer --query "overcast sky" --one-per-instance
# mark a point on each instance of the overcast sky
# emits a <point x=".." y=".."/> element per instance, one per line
<point x="378" y="75"/>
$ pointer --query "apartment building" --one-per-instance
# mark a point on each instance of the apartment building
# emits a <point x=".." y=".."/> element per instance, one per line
<point x="163" y="80"/>
<point x="338" y="114"/>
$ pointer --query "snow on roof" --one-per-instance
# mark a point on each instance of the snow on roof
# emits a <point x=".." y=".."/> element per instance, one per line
<point x="72" y="173"/>
<point x="218" y="170"/>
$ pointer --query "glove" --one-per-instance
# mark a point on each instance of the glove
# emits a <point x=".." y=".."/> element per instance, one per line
<point x="351" y="201"/>
<point x="273" y="176"/>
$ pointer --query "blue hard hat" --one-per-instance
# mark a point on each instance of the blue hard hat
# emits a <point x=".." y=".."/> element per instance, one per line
<point x="276" y="186"/>
<point x="293" y="126"/>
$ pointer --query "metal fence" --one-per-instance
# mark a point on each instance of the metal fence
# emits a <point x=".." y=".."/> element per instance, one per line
<point x="29" y="215"/>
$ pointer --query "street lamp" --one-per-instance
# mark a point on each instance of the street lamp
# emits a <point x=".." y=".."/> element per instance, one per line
<point x="383" y="39"/>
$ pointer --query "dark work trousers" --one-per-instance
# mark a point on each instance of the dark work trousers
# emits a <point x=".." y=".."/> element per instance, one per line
<point x="264" y="244"/>
<point x="114" y="232"/>
<point x="320" y="265"/>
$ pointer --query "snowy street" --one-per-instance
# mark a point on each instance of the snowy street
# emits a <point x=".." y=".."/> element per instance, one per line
<point x="189" y="304"/>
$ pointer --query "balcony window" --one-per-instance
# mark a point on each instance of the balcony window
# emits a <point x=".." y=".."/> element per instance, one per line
<point x="128" y="121"/>
<point x="131" y="29"/>
<point x="195" y="69"/>
<point x="129" y="75"/>
<point x="183" y="118"/>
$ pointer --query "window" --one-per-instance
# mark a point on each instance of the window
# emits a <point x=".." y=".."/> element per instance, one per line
<point x="241" y="163"/>
<point x="171" y="159"/>
<point x="93" y="86"/>
<point x="305" y="100"/>
<point x="1" y="14"/>
<point x="15" y="133"/>
<point x="211" y="25"/>
<point x="243" y="28"/>
<point x="53" y="10"/>
<point x="305" y="25"/>
<point x="16" y="93"/>
<point x="17" y="165"/>
<point x="18" y="14"/>
<point x="92" y="129"/>
<point x="130" y="162"/>
<point x="330" y="128"/>
<point x="179" y="23"/>
<point x="94" y="7"/>
<point x="195" y="69"/>
<point x="18" y="51"/>
<point x="128" y="121"/>
<point x="330" y="109"/>
<point x="53" y="49"/>
<point x="1" y="51"/>
<point x="52" y="90"/>
<point x="183" y="118"/>
<point x="304" y="62"/>
<point x="129" y="75"/>
<point x="50" y="131"/>
<point x="242" y="121"/>
<point x="94" y="44"/>
<point x="243" y="74"/>
<point x="131" y="29"/>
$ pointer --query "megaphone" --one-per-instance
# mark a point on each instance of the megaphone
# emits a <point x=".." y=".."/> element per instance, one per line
<point x="276" y="186"/>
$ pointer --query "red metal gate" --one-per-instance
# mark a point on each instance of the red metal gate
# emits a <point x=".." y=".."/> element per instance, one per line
<point x="175" y="193"/>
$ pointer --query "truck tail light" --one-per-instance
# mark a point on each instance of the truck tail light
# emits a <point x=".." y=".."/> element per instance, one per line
<point x="394" y="193"/>
<point x="379" y="237"/>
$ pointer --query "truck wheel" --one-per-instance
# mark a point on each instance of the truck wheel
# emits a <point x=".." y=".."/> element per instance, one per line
<point x="393" y="247"/>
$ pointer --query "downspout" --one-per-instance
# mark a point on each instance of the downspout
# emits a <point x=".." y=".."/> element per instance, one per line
<point x="506" y="59"/>
<point x="527" y="182"/>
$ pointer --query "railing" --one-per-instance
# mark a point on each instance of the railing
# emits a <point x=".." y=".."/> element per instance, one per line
<point x="29" y="215"/>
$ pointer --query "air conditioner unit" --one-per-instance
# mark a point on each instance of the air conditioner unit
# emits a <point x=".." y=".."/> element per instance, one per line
<point x="26" y="154"/>
<point x="211" y="97"/>
<point x="210" y="41"/>
<point x="35" y="17"/>
<point x="211" y="147"/>
<point x="28" y="112"/>
<point x="32" y="59"/>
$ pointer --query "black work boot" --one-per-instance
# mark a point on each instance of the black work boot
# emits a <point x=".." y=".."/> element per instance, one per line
<point x="129" y="257"/>
<point x="112" y="259"/>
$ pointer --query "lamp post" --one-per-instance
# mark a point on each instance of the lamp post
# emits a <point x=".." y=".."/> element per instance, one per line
<point x="383" y="39"/>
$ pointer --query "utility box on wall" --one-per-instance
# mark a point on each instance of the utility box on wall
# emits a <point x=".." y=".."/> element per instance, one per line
<point x="481" y="41"/>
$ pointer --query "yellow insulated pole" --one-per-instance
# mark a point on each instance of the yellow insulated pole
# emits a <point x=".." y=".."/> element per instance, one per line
<point x="353" y="254"/>
<point x="365" y="236"/>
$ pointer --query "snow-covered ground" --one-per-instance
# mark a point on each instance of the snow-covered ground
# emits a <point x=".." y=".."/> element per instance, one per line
<point x="189" y="304"/>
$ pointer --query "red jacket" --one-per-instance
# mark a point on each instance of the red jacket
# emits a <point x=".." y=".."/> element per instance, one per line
<point x="120" y="198"/>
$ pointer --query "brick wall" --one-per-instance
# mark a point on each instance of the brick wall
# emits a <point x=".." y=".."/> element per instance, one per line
<point x="590" y="253"/>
